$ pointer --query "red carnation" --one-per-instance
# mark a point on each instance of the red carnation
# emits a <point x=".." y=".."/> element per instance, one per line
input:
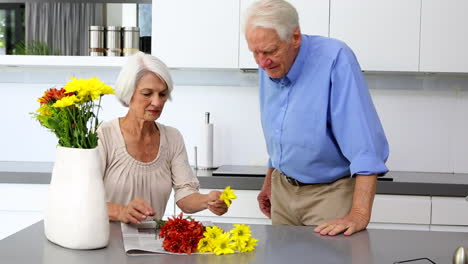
<point x="181" y="235"/>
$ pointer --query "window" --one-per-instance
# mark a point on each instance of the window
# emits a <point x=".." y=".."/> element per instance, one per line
<point x="11" y="26"/>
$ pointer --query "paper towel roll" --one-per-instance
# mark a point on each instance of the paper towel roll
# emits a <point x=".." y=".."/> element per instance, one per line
<point x="205" y="150"/>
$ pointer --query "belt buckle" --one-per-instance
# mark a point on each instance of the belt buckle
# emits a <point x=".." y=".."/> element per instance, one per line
<point x="293" y="181"/>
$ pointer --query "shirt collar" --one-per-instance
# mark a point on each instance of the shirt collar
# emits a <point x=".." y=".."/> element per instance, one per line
<point x="296" y="67"/>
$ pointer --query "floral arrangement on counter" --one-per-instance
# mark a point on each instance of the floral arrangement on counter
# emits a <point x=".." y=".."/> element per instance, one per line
<point x="69" y="112"/>
<point x="185" y="235"/>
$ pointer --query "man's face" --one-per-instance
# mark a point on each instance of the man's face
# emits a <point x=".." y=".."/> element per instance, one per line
<point x="273" y="55"/>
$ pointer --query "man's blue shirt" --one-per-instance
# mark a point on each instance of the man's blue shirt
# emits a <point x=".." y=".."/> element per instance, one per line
<point x="319" y="121"/>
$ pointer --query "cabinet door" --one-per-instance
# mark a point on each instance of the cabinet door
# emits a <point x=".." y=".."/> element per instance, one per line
<point x="313" y="19"/>
<point x="383" y="34"/>
<point x="401" y="209"/>
<point x="444" y="38"/>
<point x="14" y="221"/>
<point x="244" y="209"/>
<point x="449" y="211"/>
<point x="196" y="34"/>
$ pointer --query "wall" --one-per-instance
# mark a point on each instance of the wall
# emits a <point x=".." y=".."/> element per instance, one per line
<point x="424" y="117"/>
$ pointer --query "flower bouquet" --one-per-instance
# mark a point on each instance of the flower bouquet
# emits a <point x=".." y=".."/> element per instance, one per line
<point x="76" y="189"/>
<point x="185" y="235"/>
<point x="69" y="112"/>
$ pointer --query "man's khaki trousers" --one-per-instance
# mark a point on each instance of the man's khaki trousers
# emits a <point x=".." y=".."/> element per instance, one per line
<point x="309" y="204"/>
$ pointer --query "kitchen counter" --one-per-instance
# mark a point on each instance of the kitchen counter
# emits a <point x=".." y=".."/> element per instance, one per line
<point x="403" y="183"/>
<point x="277" y="244"/>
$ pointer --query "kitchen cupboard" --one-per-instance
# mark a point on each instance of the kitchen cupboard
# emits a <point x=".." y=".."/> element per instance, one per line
<point x="401" y="209"/>
<point x="383" y="34"/>
<point x="196" y="34"/>
<point x="444" y="38"/>
<point x="244" y="209"/>
<point x="450" y="211"/>
<point x="313" y="19"/>
<point x="21" y="205"/>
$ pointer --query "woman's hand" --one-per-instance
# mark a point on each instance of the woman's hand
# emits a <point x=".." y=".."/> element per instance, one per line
<point x="215" y="205"/>
<point x="137" y="210"/>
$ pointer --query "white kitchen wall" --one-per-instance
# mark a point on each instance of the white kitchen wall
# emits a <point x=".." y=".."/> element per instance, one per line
<point x="424" y="117"/>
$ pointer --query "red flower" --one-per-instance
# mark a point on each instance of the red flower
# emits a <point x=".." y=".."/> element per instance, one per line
<point x="52" y="95"/>
<point x="181" y="235"/>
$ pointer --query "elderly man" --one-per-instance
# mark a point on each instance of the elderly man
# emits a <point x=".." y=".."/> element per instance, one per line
<point x="325" y="143"/>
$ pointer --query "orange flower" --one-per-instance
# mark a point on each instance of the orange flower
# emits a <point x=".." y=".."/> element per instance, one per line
<point x="52" y="95"/>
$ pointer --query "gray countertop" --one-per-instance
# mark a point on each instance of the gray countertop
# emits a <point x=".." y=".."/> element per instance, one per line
<point x="403" y="183"/>
<point x="277" y="244"/>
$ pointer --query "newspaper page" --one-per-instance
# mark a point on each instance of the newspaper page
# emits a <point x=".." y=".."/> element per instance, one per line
<point x="143" y="239"/>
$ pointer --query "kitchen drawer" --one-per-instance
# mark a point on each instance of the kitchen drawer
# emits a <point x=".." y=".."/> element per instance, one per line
<point x="23" y="197"/>
<point x="13" y="222"/>
<point x="401" y="209"/>
<point x="449" y="211"/>
<point x="245" y="205"/>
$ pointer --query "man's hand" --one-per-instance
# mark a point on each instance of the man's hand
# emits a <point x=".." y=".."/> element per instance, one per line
<point x="218" y="207"/>
<point x="264" y="202"/>
<point x="137" y="210"/>
<point x="359" y="216"/>
<point x="350" y="224"/>
<point x="264" y="197"/>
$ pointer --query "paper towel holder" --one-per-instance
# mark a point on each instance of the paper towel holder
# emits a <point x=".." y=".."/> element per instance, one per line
<point x="195" y="160"/>
<point x="209" y="165"/>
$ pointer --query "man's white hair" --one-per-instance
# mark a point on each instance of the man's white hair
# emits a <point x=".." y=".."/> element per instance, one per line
<point x="134" y="69"/>
<point x="273" y="14"/>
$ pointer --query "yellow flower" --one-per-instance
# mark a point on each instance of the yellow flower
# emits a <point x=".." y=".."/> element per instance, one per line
<point x="66" y="101"/>
<point x="227" y="196"/>
<point x="240" y="233"/>
<point x="224" y="245"/>
<point x="248" y="246"/>
<point x="204" y="245"/>
<point x="89" y="89"/>
<point x="212" y="233"/>
<point x="44" y="110"/>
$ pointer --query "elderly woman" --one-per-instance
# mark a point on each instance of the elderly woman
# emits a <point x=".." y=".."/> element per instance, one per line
<point x="144" y="160"/>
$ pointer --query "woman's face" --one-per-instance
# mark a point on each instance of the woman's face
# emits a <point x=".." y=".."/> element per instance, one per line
<point x="149" y="97"/>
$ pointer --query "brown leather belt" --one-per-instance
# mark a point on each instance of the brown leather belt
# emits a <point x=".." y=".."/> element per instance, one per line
<point x="295" y="182"/>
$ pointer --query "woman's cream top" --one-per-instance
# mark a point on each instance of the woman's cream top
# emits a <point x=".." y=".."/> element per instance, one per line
<point x="126" y="178"/>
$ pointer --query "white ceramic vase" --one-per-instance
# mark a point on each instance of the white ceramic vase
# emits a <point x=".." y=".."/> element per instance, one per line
<point x="76" y="215"/>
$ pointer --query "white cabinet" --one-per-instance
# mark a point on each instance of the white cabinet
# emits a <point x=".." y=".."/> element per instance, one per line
<point x="401" y="209"/>
<point x="21" y="205"/>
<point x="444" y="37"/>
<point x="383" y="34"/>
<point x="313" y="19"/>
<point x="202" y="34"/>
<point x="170" y="206"/>
<point x="449" y="211"/>
<point x="243" y="210"/>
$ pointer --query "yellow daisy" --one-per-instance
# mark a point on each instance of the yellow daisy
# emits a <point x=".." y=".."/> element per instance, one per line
<point x="249" y="245"/>
<point x="66" y="101"/>
<point x="204" y="245"/>
<point x="227" y="196"/>
<point x="241" y="233"/>
<point x="224" y="245"/>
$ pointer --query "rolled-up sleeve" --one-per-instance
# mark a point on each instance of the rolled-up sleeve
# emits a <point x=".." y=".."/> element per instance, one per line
<point x="184" y="180"/>
<point x="354" y="120"/>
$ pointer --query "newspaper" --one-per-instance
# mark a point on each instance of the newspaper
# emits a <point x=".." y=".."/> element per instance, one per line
<point x="143" y="239"/>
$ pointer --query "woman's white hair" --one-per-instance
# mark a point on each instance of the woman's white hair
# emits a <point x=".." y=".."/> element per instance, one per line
<point x="273" y="14"/>
<point x="134" y="69"/>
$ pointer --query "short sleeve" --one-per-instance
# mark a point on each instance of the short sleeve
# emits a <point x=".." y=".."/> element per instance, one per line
<point x="184" y="180"/>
